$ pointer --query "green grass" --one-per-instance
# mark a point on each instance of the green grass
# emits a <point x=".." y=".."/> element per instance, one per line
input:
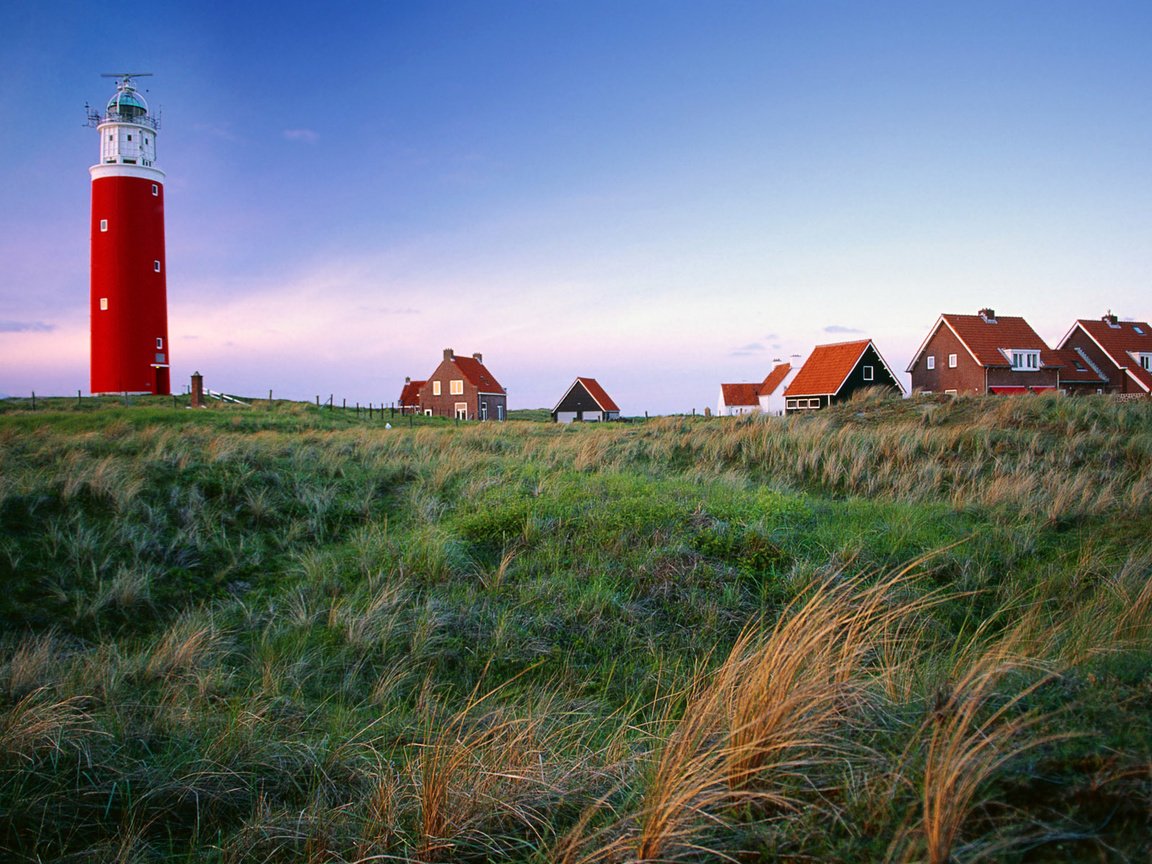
<point x="279" y="632"/>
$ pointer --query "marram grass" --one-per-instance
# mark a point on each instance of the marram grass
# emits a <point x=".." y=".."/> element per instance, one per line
<point x="895" y="631"/>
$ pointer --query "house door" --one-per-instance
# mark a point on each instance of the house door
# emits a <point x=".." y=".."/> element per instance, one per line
<point x="483" y="410"/>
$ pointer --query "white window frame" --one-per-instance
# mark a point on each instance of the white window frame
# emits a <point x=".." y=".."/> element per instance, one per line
<point x="435" y="388"/>
<point x="869" y="373"/>
<point x="159" y="343"/>
<point x="951" y="361"/>
<point x="483" y="410"/>
<point x="1146" y="361"/>
<point x="155" y="190"/>
<point x="427" y="412"/>
<point x="460" y="410"/>
<point x="103" y="304"/>
<point x="156" y="265"/>
<point x="103" y="225"/>
<point x="456" y="387"/>
<point x="930" y="362"/>
<point x="500" y="412"/>
<point x="1025" y="360"/>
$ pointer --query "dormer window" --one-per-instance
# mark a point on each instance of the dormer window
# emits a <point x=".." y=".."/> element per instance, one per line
<point x="1146" y="361"/>
<point x="1025" y="360"/>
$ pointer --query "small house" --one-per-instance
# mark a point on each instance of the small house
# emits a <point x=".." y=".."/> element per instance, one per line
<point x="585" y="402"/>
<point x="834" y="372"/>
<point x="984" y="353"/>
<point x="409" y="402"/>
<point x="1119" y="351"/>
<point x="738" y="399"/>
<point x="462" y="387"/>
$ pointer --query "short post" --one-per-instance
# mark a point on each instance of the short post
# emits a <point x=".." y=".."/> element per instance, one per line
<point x="77" y="398"/>
<point x="33" y="400"/>
<point x="269" y="395"/>
<point x="197" y="400"/>
<point x="317" y="400"/>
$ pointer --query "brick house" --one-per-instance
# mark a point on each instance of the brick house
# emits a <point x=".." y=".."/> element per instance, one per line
<point x="834" y="372"/>
<point x="1119" y="351"/>
<point x="585" y="402"/>
<point x="462" y="387"/>
<point x="984" y="353"/>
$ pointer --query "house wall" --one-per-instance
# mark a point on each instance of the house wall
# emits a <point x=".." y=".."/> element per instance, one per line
<point x="856" y="380"/>
<point x="967" y="377"/>
<point x="1002" y="377"/>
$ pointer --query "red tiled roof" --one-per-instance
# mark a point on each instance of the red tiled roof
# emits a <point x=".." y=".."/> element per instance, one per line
<point x="1074" y="370"/>
<point x="987" y="341"/>
<point x="778" y="374"/>
<point x="597" y="392"/>
<point x="1119" y="342"/>
<point x="478" y="374"/>
<point x="827" y="368"/>
<point x="740" y="394"/>
<point x="410" y="395"/>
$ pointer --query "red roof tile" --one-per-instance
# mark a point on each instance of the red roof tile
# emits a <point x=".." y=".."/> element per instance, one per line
<point x="989" y="339"/>
<point x="740" y="394"/>
<point x="826" y="369"/>
<point x="1120" y="342"/>
<point x="477" y="374"/>
<point x="1074" y="370"/>
<point x="597" y="392"/>
<point x="410" y="395"/>
<point x="778" y="374"/>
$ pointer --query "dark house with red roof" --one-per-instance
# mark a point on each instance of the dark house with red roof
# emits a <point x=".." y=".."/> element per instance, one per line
<point x="409" y="402"/>
<point x="984" y="353"/>
<point x="1120" y="352"/>
<point x="834" y="372"/>
<point x="586" y="402"/>
<point x="462" y="387"/>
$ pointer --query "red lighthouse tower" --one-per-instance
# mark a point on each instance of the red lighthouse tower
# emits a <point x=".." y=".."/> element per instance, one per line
<point x="129" y="291"/>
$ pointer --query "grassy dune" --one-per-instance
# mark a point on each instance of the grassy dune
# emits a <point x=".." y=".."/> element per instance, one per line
<point x="895" y="631"/>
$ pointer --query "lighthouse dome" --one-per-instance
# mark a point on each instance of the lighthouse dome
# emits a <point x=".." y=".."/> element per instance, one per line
<point x="127" y="103"/>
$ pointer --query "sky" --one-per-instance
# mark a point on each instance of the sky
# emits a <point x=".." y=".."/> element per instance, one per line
<point x="660" y="194"/>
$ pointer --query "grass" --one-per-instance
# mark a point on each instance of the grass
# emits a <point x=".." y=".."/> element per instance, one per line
<point x="894" y="631"/>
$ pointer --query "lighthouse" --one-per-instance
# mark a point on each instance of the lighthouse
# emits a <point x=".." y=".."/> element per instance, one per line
<point x="129" y="304"/>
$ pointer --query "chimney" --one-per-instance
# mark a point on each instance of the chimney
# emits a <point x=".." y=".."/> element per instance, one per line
<point x="989" y="315"/>
<point x="449" y="354"/>
<point x="478" y="357"/>
<point x="407" y="379"/>
<point x="1110" y="319"/>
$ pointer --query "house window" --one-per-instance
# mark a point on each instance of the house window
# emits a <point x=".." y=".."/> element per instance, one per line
<point x="868" y="373"/>
<point x="949" y="392"/>
<point x="500" y="412"/>
<point x="435" y="388"/>
<point x="483" y="410"/>
<point x="461" y="410"/>
<point x="951" y="361"/>
<point x="103" y="224"/>
<point x="427" y="412"/>
<point x="159" y="344"/>
<point x="1025" y="361"/>
<point x="930" y="363"/>
<point x="1146" y="361"/>
<point x="103" y="304"/>
<point x="456" y="387"/>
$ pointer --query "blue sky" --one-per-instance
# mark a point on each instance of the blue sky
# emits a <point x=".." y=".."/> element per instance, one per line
<point x="662" y="195"/>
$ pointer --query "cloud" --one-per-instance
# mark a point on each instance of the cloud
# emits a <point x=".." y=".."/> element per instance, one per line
<point x="308" y="136"/>
<point x="26" y="327"/>
<point x="840" y="328"/>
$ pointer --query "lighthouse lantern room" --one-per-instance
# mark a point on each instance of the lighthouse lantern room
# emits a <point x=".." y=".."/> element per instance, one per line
<point x="129" y="304"/>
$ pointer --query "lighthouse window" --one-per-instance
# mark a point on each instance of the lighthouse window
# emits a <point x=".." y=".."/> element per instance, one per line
<point x="156" y="266"/>
<point x="103" y="304"/>
<point x="155" y="189"/>
<point x="129" y="137"/>
<point x="103" y="224"/>
<point x="159" y="344"/>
